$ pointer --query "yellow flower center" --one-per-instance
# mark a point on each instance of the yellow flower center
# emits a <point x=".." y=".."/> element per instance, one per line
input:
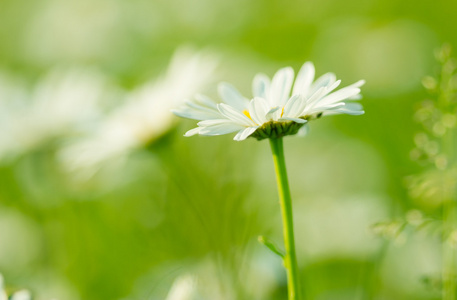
<point x="246" y="113"/>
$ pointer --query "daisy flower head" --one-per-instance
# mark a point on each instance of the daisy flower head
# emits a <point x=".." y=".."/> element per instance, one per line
<point x="279" y="106"/>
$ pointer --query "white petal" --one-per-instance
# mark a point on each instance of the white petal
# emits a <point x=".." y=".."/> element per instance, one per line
<point x="201" y="107"/>
<point x="320" y="93"/>
<point x="319" y="108"/>
<point x="193" y="131"/>
<point x="304" y="79"/>
<point x="356" y="97"/>
<point x="232" y="97"/>
<point x="333" y="86"/>
<point x="342" y="111"/>
<point x="195" y="114"/>
<point x="324" y="81"/>
<point x="354" y="109"/>
<point x="291" y="109"/>
<point x="357" y="84"/>
<point x="309" y="103"/>
<point x="273" y="113"/>
<point x="261" y="86"/>
<point x="339" y="95"/>
<point x="296" y="120"/>
<point x="213" y="122"/>
<point x="206" y="101"/>
<point x="280" y="86"/>
<point x="220" y="129"/>
<point x="354" y="106"/>
<point x="303" y="130"/>
<point x="243" y="134"/>
<point x="234" y="115"/>
<point x="258" y="110"/>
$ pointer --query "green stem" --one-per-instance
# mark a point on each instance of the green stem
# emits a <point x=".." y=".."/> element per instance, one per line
<point x="290" y="258"/>
<point x="448" y="273"/>
<point x="449" y="213"/>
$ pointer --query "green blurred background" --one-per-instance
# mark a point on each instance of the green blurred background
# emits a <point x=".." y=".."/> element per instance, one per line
<point x="168" y="217"/>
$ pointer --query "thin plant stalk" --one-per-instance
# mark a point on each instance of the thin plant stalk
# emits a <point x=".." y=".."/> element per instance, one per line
<point x="448" y="267"/>
<point x="290" y="258"/>
<point x="448" y="273"/>
<point x="449" y="217"/>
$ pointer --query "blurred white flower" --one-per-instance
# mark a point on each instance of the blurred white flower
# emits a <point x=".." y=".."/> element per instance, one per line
<point x="19" y="295"/>
<point x="3" y="295"/>
<point x="58" y="104"/>
<point x="144" y="117"/>
<point x="183" y="288"/>
<point x="40" y="289"/>
<point x="206" y="278"/>
<point x="277" y="109"/>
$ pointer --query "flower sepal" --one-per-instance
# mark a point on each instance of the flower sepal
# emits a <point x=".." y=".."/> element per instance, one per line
<point x="274" y="129"/>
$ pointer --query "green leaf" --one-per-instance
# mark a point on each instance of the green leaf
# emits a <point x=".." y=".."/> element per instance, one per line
<point x="263" y="240"/>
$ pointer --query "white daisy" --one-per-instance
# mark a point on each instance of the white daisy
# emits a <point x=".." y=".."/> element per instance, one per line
<point x="144" y="116"/>
<point x="278" y="107"/>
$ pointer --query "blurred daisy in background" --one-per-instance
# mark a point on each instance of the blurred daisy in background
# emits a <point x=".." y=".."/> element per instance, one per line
<point x="19" y="295"/>
<point x="211" y="278"/>
<point x="183" y="288"/>
<point x="143" y="117"/>
<point x="58" y="105"/>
